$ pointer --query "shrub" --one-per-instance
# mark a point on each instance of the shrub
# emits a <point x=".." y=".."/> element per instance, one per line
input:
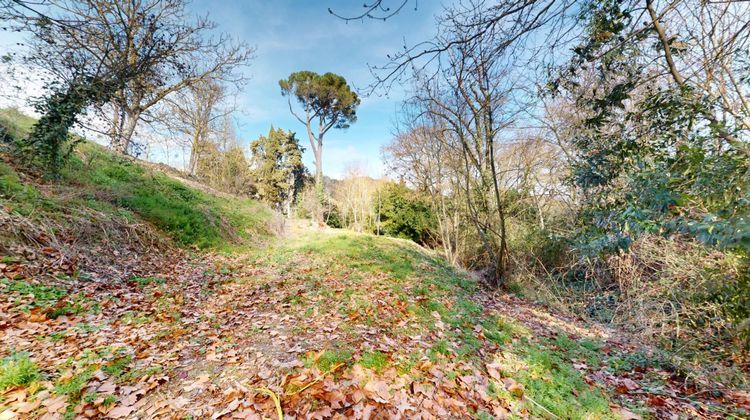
<point x="675" y="292"/>
<point x="404" y="214"/>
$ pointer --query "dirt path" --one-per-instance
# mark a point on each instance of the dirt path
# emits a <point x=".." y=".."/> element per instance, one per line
<point x="336" y="326"/>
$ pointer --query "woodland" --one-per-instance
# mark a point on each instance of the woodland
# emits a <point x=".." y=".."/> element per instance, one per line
<point x="562" y="229"/>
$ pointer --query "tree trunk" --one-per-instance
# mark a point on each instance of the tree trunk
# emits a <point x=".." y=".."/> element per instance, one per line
<point x="319" y="168"/>
<point x="127" y="128"/>
<point x="194" y="154"/>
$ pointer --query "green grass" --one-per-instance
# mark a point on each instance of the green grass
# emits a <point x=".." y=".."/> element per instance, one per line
<point x="330" y="359"/>
<point x="554" y="384"/>
<point x="66" y="309"/>
<point x="54" y="301"/>
<point x="118" y="367"/>
<point x="121" y="187"/>
<point x="30" y="295"/>
<point x="364" y="253"/>
<point x="146" y="281"/>
<point x="441" y="347"/>
<point x="374" y="360"/>
<point x="189" y="216"/>
<point x="73" y="386"/>
<point x="541" y="366"/>
<point x="585" y="349"/>
<point x="19" y="197"/>
<point x="15" y="123"/>
<point x="18" y="370"/>
<point x="109" y="400"/>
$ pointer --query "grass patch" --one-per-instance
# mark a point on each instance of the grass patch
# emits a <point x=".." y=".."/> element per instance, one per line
<point x="146" y="281"/>
<point x="56" y="336"/>
<point x="553" y="383"/>
<point x="109" y="400"/>
<point x="66" y="309"/>
<point x="328" y="359"/>
<point x="119" y="366"/>
<point x="440" y="347"/>
<point x="364" y="253"/>
<point x="53" y="301"/>
<point x="30" y="295"/>
<point x="191" y="217"/>
<point x="11" y="185"/>
<point x="18" y="370"/>
<point x="374" y="360"/>
<point x="585" y="349"/>
<point x="73" y="386"/>
<point x="15" y="123"/>
<point x="637" y="361"/>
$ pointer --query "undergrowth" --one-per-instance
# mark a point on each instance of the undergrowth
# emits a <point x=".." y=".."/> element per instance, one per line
<point x="690" y="300"/>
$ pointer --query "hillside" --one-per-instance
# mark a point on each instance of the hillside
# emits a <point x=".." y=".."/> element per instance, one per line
<point x="127" y="293"/>
<point x="97" y="184"/>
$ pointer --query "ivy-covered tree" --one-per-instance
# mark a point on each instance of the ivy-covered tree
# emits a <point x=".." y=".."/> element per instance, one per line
<point x="277" y="168"/>
<point x="327" y="102"/>
<point x="141" y="51"/>
<point x="50" y="142"/>
<point x="662" y="142"/>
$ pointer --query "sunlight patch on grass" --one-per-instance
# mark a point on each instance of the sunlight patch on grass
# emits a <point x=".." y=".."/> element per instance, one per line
<point x="553" y="383"/>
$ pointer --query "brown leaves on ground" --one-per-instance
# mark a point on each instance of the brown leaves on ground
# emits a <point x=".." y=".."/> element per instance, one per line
<point x="203" y="336"/>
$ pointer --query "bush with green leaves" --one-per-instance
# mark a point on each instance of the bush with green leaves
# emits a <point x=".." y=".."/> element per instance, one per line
<point x="405" y="214"/>
<point x="653" y="154"/>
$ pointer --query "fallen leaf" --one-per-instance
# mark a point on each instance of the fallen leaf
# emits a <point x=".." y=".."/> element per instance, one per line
<point x="120" y="411"/>
<point x="378" y="390"/>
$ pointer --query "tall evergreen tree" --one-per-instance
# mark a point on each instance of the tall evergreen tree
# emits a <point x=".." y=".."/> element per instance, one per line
<point x="326" y="98"/>
<point x="277" y="168"/>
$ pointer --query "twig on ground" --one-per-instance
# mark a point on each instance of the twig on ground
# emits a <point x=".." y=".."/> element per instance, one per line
<point x="275" y="399"/>
<point x="316" y="380"/>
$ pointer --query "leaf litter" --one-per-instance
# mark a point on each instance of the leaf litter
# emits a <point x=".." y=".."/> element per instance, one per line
<point x="301" y="331"/>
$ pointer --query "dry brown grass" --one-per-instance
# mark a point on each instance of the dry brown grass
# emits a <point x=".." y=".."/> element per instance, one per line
<point x="667" y="291"/>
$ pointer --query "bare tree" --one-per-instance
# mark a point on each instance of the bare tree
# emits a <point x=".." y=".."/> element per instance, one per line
<point x="194" y="115"/>
<point x="429" y="165"/>
<point x="524" y="28"/>
<point x="469" y="100"/>
<point x="139" y="51"/>
<point x="355" y="195"/>
<point x="377" y="9"/>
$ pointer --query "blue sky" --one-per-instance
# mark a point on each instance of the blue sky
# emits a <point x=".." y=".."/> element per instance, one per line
<point x="293" y="35"/>
<point x="301" y="35"/>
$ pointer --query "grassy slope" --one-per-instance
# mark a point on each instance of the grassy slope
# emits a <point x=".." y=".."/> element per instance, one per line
<point x="98" y="180"/>
<point x="355" y="274"/>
